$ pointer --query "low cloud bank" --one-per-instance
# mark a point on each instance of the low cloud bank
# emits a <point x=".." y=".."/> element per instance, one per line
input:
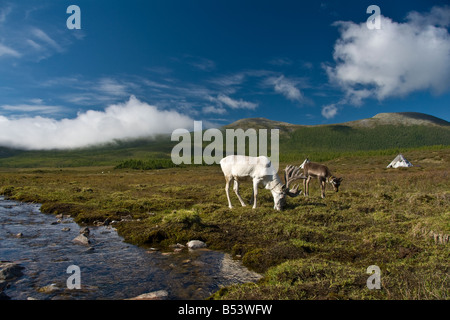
<point x="129" y="120"/>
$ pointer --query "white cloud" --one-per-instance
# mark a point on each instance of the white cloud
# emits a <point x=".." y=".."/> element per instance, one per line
<point x="44" y="37"/>
<point x="4" y="12"/>
<point x="30" y="108"/>
<point x="154" y="84"/>
<point x="287" y="88"/>
<point x="396" y="60"/>
<point x="204" y="64"/>
<point x="438" y="16"/>
<point x="112" y="87"/>
<point x="329" y="111"/>
<point x="199" y="63"/>
<point x="281" y="61"/>
<point x="229" y="80"/>
<point x="34" y="44"/>
<point x="236" y="104"/>
<point x="215" y="110"/>
<point x="92" y="92"/>
<point x="22" y="38"/>
<point x="36" y="100"/>
<point x="7" y="51"/>
<point x="132" y="119"/>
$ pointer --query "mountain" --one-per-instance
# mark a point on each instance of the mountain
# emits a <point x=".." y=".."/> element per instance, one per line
<point x="391" y="118"/>
<point x="385" y="131"/>
<point x="261" y="123"/>
<point x="400" y="118"/>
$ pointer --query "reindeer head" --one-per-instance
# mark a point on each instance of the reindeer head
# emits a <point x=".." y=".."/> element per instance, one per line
<point x="291" y="174"/>
<point x="335" y="182"/>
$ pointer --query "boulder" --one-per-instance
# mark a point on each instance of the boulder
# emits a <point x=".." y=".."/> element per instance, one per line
<point x="85" y="231"/>
<point x="82" y="239"/>
<point x="49" y="289"/>
<point x="196" y="244"/>
<point x="10" y="270"/>
<point x="155" y="295"/>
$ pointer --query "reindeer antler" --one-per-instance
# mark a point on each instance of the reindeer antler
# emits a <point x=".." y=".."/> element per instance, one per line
<point x="292" y="173"/>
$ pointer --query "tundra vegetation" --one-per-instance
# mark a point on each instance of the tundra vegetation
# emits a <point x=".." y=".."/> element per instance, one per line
<point x="397" y="219"/>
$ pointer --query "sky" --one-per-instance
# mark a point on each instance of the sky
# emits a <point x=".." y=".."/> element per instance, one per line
<point x="139" y="68"/>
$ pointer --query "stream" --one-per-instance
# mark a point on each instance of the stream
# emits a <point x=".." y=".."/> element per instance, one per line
<point x="110" y="269"/>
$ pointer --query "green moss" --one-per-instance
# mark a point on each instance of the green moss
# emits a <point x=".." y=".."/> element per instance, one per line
<point x="7" y="190"/>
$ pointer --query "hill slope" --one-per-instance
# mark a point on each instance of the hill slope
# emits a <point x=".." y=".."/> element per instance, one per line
<point x="393" y="131"/>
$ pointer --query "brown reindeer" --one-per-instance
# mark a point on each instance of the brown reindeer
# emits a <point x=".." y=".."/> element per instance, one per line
<point x="323" y="174"/>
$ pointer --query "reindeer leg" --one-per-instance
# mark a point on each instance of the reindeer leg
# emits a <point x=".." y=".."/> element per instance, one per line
<point x="306" y="185"/>
<point x="227" y="191"/>
<point x="322" y="187"/>
<point x="236" y="190"/>
<point x="255" y="192"/>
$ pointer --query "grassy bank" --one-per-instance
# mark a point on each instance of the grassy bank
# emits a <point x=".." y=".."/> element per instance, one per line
<point x="397" y="219"/>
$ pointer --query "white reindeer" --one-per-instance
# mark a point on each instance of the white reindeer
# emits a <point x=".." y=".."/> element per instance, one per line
<point x="261" y="171"/>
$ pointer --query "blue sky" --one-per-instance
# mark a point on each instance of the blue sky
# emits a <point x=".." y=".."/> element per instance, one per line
<point x="162" y="64"/>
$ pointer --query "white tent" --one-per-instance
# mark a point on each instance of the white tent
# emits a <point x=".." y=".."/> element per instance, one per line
<point x="399" y="161"/>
